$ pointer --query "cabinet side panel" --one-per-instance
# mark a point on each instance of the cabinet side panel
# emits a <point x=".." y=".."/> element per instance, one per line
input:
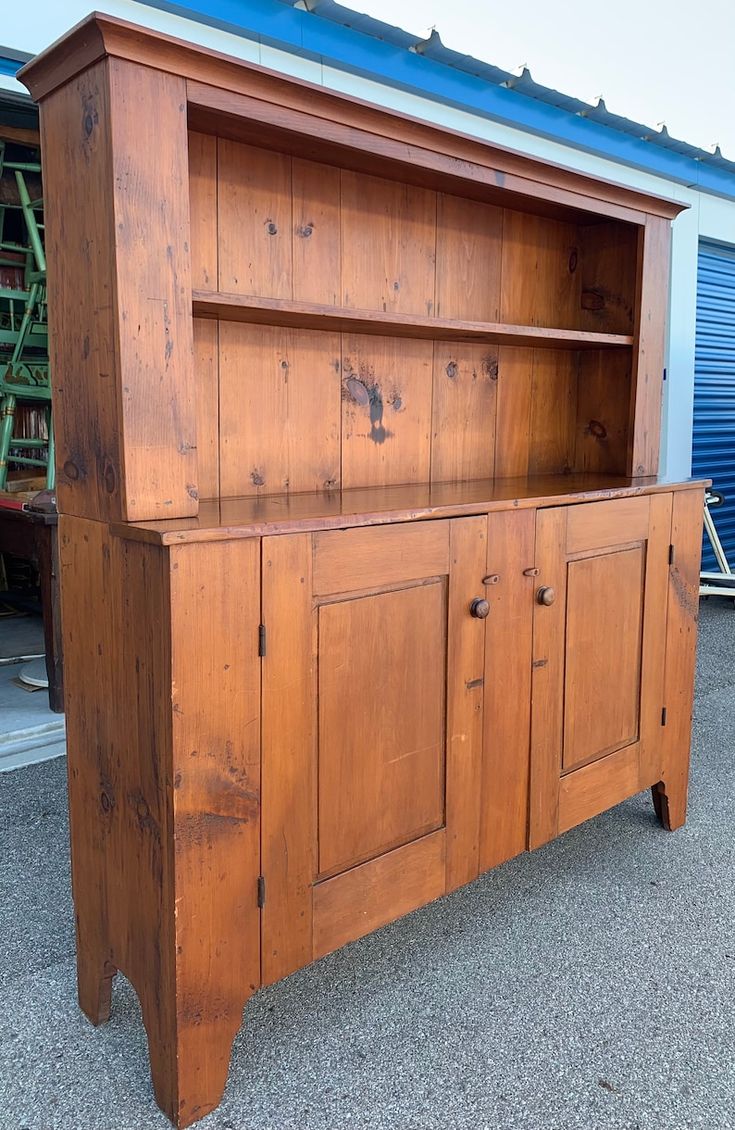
<point x="505" y="774"/>
<point x="76" y="136"/>
<point x="118" y="717"/>
<point x="215" y="601"/>
<point x="644" y="433"/>
<point x="151" y="200"/>
<point x="119" y="277"/>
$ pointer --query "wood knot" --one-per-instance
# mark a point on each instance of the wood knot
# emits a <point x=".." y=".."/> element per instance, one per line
<point x="596" y="429"/>
<point x="271" y="228"/>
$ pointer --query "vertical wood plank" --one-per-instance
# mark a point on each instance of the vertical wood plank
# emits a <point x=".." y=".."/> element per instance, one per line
<point x="644" y="438"/>
<point x="468" y="248"/>
<point x="464" y="387"/>
<point x="681" y="648"/>
<point x="608" y="266"/>
<point x="280" y="409"/>
<point x="388" y="245"/>
<point x="316" y="233"/>
<point x="289" y="755"/>
<point x="386" y="410"/>
<point x="206" y="382"/>
<point x="513" y="421"/>
<point x="553" y="412"/>
<point x="203" y="208"/>
<point x="123" y="392"/>
<point x="115" y="618"/>
<point x="215" y="601"/>
<point x="653" y="659"/>
<point x="507" y="722"/>
<point x="547" y="687"/>
<point x="540" y="280"/>
<point x="465" y="672"/>
<point x="255" y="221"/>
<point x="603" y="397"/>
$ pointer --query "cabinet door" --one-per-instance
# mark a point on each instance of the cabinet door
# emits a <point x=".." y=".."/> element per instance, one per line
<point x="598" y="657"/>
<point x="372" y="729"/>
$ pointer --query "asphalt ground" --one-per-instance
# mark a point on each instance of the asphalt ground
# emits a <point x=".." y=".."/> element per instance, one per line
<point x="588" y="985"/>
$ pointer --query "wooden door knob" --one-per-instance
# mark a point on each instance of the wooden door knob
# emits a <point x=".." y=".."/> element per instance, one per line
<point x="546" y="595"/>
<point x="479" y="608"/>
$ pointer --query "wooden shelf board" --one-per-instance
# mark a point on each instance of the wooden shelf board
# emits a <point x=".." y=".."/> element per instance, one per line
<point x="261" y="515"/>
<point x="312" y="315"/>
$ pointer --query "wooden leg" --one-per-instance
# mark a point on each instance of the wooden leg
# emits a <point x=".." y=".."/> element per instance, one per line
<point x="670" y="803"/>
<point x="94" y="986"/>
<point x="189" y="1045"/>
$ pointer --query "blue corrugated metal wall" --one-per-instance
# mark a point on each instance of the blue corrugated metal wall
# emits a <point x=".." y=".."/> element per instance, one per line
<point x="714" y="387"/>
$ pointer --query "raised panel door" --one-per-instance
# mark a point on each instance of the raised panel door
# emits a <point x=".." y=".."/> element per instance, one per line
<point x="372" y="729"/>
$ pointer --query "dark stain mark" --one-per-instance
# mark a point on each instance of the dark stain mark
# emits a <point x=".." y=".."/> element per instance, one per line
<point x="200" y="828"/>
<point x="71" y="470"/>
<point x="185" y="447"/>
<point x="474" y="683"/>
<point x="490" y="367"/>
<point x="573" y="260"/>
<point x="370" y="396"/>
<point x="146" y="821"/>
<point x="192" y="491"/>
<point x="304" y="230"/>
<point x="452" y="370"/>
<point x="540" y="662"/>
<point x="429" y="307"/>
<point x="396" y="285"/>
<point x="596" y="429"/>
<point x="337" y="365"/>
<point x="85" y="347"/>
<point x="105" y="803"/>
<point x="109" y="478"/>
<point x="177" y="780"/>
<point x="330" y="484"/>
<point x="687" y="599"/>
<point x="397" y="403"/>
<point x="593" y="300"/>
<point x="168" y="350"/>
<point x="271" y="228"/>
<point x="257" y="478"/>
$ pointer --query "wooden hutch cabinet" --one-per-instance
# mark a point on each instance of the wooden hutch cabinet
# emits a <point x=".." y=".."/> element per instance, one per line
<point x="369" y="582"/>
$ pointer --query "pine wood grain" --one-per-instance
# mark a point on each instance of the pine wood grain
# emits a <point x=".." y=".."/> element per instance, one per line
<point x="360" y="559"/>
<point x="507" y="695"/>
<point x="279" y="410"/>
<point x="381" y="723"/>
<point x="206" y="381"/>
<point x="203" y="210"/>
<point x="468" y="252"/>
<point x="254" y="207"/>
<point x="541" y="284"/>
<point x="121" y="336"/>
<point x="465" y="700"/>
<point x="464" y="396"/>
<point x="388" y="245"/>
<point x="386" y="410"/>
<point x="317" y="258"/>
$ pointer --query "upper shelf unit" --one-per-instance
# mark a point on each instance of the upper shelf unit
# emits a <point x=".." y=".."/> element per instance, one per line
<point x="275" y="236"/>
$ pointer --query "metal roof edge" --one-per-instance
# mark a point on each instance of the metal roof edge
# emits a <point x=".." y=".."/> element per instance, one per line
<point x="315" y="30"/>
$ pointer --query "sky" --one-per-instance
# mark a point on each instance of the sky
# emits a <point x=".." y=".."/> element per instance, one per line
<point x="654" y="61"/>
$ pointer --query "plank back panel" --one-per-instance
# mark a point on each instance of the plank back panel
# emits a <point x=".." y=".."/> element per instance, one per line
<point x="206" y="382"/>
<point x="254" y="220"/>
<point x="468" y="254"/>
<point x="203" y="209"/>
<point x="279" y="409"/>
<point x="317" y="255"/>
<point x="464" y="395"/>
<point x="541" y="284"/>
<point x="386" y="410"/>
<point x="388" y="245"/>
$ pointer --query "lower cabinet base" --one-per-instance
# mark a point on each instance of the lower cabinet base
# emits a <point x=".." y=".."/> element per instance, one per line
<point x="279" y="744"/>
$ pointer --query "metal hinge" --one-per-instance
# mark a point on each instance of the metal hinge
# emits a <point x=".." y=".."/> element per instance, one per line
<point x="664" y="374"/>
<point x="672" y="555"/>
<point x="261" y="891"/>
<point x="261" y="640"/>
<point x="663" y="715"/>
